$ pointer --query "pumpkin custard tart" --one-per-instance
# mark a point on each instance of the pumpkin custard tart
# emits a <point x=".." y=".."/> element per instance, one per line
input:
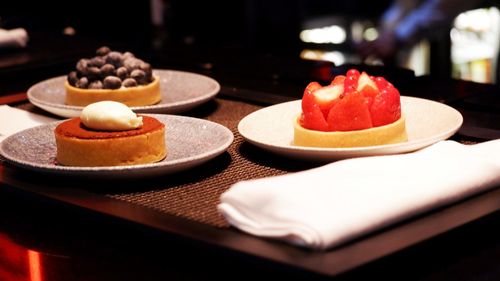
<point x="110" y="134"/>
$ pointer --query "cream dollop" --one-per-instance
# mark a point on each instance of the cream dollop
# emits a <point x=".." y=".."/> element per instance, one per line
<point x="110" y="116"/>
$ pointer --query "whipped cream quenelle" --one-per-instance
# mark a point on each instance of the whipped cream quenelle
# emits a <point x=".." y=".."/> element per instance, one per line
<point x="110" y="116"/>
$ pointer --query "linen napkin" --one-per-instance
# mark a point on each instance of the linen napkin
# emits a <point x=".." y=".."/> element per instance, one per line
<point x="333" y="204"/>
<point x="13" y="38"/>
<point x="13" y="120"/>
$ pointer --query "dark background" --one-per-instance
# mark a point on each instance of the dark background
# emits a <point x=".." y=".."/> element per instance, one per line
<point x="249" y="23"/>
<point x="244" y="39"/>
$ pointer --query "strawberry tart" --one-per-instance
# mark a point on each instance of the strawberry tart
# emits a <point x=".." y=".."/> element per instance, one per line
<point x="355" y="110"/>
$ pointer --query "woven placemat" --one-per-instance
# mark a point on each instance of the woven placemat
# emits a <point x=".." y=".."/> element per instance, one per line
<point x="194" y="194"/>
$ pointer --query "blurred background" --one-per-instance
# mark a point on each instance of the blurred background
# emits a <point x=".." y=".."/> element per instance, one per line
<point x="313" y="30"/>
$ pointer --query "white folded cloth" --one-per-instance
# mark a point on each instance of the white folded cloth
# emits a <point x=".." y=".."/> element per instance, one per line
<point x="13" y="120"/>
<point x="13" y="38"/>
<point x="333" y="204"/>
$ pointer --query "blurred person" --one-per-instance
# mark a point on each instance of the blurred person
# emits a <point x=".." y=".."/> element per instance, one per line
<point x="406" y="22"/>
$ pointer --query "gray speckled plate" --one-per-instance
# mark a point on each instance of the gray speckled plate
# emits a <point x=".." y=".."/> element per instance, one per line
<point x="180" y="91"/>
<point x="271" y="128"/>
<point x="190" y="142"/>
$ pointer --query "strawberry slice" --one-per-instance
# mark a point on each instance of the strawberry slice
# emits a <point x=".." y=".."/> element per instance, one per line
<point x="313" y="86"/>
<point x="353" y="73"/>
<point x="366" y="83"/>
<point x="386" y="107"/>
<point x="368" y="88"/>
<point x="381" y="82"/>
<point x="312" y="117"/>
<point x="351" y="80"/>
<point x="338" y="80"/>
<point x="327" y="96"/>
<point x="350" y="113"/>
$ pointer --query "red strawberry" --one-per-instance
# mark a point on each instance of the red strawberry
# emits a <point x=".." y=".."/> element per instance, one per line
<point x="313" y="86"/>
<point x="312" y="118"/>
<point x="368" y="88"/>
<point x="381" y="82"/>
<point x="350" y="113"/>
<point x="351" y="102"/>
<point x="386" y="107"/>
<point x="352" y="73"/>
<point x="327" y="96"/>
<point x="338" y="80"/>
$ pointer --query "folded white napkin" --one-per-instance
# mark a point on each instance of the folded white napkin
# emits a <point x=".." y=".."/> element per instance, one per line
<point x="330" y="205"/>
<point x="14" y="38"/>
<point x="13" y="120"/>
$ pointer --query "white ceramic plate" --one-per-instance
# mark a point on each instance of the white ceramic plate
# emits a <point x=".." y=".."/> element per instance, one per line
<point x="190" y="142"/>
<point x="180" y="91"/>
<point x="271" y="128"/>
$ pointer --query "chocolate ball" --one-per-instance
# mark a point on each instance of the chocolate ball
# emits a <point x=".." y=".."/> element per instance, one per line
<point x="83" y="83"/>
<point x="122" y="73"/>
<point x="107" y="70"/>
<point x="82" y="67"/>
<point x="97" y="84"/>
<point x="72" y="78"/>
<point x="97" y="61"/>
<point x="114" y="58"/>
<point x="102" y="51"/>
<point x="112" y="82"/>
<point x="94" y="73"/>
<point x="139" y="76"/>
<point x="129" y="82"/>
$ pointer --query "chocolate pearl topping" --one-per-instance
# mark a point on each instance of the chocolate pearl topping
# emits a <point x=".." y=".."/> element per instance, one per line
<point x="97" y="84"/>
<point x="110" y="70"/>
<point x="107" y="70"/>
<point x="94" y="73"/>
<point x="139" y="76"/>
<point x="83" y="83"/>
<point x="112" y="82"/>
<point x="102" y="51"/>
<point x="114" y="58"/>
<point x="122" y="73"/>
<point x="72" y="78"/>
<point x="129" y="82"/>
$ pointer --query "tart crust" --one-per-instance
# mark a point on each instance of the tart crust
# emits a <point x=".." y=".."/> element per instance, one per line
<point x="387" y="134"/>
<point x="134" y="96"/>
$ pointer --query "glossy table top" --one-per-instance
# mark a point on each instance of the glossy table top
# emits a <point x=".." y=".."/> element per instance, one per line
<point x="46" y="239"/>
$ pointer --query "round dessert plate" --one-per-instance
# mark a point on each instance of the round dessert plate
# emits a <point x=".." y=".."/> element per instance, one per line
<point x="271" y="128"/>
<point x="190" y="142"/>
<point x="180" y="91"/>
